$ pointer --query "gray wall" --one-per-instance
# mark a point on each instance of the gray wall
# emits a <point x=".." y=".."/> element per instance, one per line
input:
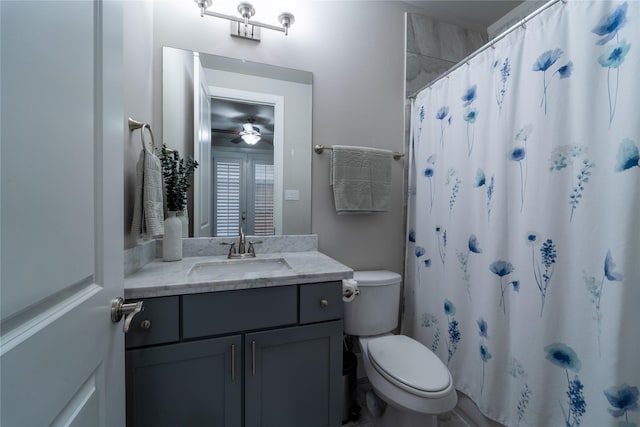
<point x="138" y="94"/>
<point x="356" y="52"/>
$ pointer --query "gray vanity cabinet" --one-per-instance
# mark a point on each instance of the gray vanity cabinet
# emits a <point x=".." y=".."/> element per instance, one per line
<point x="292" y="376"/>
<point x="257" y="357"/>
<point x="185" y="384"/>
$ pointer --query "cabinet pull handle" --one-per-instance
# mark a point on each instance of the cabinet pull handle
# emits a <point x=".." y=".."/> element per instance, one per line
<point x="253" y="358"/>
<point x="324" y="303"/>
<point x="233" y="362"/>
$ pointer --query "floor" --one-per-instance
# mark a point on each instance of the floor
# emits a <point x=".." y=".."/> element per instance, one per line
<point x="449" y="419"/>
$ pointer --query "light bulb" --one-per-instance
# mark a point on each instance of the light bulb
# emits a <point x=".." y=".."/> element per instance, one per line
<point x="251" y="138"/>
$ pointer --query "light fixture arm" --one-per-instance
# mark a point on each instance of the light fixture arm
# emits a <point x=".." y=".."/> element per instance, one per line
<point x="246" y="11"/>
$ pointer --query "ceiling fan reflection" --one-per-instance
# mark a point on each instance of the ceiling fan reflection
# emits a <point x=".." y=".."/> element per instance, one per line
<point x="249" y="133"/>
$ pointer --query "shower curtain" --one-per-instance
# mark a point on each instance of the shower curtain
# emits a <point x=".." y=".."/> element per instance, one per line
<point x="523" y="244"/>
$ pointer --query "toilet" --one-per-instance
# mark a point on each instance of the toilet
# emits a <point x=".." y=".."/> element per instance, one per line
<point x="404" y="373"/>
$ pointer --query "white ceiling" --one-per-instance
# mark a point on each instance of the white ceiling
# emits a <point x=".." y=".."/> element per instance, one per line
<point x="476" y="14"/>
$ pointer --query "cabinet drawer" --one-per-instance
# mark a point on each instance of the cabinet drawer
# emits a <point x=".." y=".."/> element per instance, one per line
<point x="158" y="323"/>
<point x="218" y="313"/>
<point x="320" y="302"/>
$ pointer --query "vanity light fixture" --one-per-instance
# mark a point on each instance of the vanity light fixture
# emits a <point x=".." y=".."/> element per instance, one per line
<point x="243" y="26"/>
<point x="249" y="134"/>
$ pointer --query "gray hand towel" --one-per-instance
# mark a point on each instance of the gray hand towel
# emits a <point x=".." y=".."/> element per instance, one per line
<point x="361" y="179"/>
<point x="148" y="213"/>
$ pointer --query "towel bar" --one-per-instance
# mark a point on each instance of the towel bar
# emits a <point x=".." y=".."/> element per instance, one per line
<point x="318" y="148"/>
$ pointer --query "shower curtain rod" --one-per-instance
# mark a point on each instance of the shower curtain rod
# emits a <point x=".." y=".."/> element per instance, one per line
<point x="521" y="23"/>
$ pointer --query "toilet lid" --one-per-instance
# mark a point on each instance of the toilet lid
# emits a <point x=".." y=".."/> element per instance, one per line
<point x="376" y="277"/>
<point x="408" y="364"/>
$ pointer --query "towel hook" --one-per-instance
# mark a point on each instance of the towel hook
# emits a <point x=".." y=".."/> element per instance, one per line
<point x="135" y="124"/>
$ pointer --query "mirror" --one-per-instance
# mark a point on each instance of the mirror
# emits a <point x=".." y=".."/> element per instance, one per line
<point x="243" y="166"/>
<point x="231" y="96"/>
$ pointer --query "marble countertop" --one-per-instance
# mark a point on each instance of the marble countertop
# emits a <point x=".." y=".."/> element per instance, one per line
<point x="159" y="278"/>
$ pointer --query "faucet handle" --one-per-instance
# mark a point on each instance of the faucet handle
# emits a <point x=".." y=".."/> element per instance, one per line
<point x="232" y="248"/>
<point x="251" y="249"/>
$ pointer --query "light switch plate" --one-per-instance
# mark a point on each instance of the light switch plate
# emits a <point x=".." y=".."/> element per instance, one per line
<point x="291" y="194"/>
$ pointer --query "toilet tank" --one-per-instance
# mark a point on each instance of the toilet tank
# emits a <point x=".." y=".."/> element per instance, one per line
<point x="375" y="310"/>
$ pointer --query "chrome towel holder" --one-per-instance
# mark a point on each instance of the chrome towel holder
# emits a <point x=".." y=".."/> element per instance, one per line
<point x="318" y="148"/>
<point x="136" y="124"/>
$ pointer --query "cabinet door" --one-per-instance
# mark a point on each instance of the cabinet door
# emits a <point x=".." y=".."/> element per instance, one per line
<point x="293" y="376"/>
<point x="187" y="384"/>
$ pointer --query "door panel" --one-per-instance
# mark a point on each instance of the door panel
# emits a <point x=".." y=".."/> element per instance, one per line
<point x="294" y="382"/>
<point x="202" y="153"/>
<point x="83" y="408"/>
<point x="242" y="193"/>
<point x="194" y="383"/>
<point x="36" y="226"/>
<point x="228" y="204"/>
<point x="260" y="213"/>
<point x="61" y="215"/>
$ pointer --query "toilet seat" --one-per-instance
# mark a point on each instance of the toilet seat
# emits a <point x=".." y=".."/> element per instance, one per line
<point x="409" y="365"/>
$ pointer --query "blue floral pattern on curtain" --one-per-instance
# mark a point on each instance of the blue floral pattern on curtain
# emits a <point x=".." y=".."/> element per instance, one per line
<point x="609" y="26"/>
<point x="535" y="196"/>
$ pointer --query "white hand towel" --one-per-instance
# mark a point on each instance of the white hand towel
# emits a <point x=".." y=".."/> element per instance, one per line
<point x="148" y="213"/>
<point x="361" y="179"/>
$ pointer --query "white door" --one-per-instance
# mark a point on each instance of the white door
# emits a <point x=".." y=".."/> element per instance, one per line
<point x="243" y="193"/>
<point x="260" y="186"/>
<point x="201" y="152"/>
<point x="62" y="124"/>
<point x="229" y="211"/>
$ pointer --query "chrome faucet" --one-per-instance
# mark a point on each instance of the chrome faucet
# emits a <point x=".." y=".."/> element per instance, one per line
<point x="242" y="251"/>
<point x="241" y="244"/>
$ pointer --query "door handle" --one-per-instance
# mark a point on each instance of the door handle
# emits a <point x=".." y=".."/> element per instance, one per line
<point x="129" y="310"/>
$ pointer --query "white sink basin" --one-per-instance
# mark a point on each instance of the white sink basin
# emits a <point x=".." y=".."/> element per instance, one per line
<point x="232" y="268"/>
